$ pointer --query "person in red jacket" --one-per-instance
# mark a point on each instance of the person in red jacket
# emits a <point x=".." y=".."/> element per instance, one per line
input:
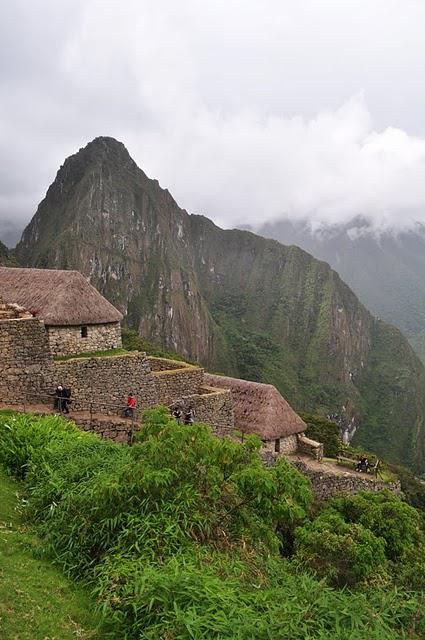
<point x="131" y="404"/>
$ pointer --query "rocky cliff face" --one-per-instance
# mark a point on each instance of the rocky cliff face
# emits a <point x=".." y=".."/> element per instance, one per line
<point x="238" y="303"/>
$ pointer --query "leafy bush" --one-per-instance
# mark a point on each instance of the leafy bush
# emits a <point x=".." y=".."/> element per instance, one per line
<point x="356" y="537"/>
<point x="344" y="553"/>
<point x="325" y="431"/>
<point x="178" y="485"/>
<point x="412" y="487"/>
<point x="219" y="600"/>
<point x="397" y="523"/>
<point x="22" y="439"/>
<point x="179" y="536"/>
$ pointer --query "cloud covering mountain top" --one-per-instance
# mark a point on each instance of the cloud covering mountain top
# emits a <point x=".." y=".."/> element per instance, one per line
<point x="246" y="111"/>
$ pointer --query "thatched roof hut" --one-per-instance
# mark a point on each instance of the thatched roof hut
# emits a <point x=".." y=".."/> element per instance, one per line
<point x="59" y="298"/>
<point x="259" y="408"/>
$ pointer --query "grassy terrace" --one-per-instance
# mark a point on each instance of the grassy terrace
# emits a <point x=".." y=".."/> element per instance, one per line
<point x="36" y="601"/>
<point x="94" y="354"/>
<point x="131" y="342"/>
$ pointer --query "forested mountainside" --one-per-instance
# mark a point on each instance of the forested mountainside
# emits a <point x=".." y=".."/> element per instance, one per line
<point x="6" y="257"/>
<point x="385" y="269"/>
<point x="238" y="303"/>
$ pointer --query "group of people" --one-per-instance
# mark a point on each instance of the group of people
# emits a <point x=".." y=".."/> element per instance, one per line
<point x="363" y="464"/>
<point x="63" y="398"/>
<point x="183" y="417"/>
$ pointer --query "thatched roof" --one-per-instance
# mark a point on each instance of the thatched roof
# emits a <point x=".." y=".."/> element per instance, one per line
<point x="57" y="297"/>
<point x="259" y="408"/>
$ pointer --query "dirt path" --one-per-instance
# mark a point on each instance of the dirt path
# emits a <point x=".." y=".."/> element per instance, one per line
<point x="328" y="466"/>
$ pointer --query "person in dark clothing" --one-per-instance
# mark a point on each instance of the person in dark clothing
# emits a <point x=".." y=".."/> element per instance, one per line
<point x="177" y="414"/>
<point x="362" y="464"/>
<point x="189" y="416"/>
<point x="62" y="399"/>
<point x="58" y="398"/>
<point x="66" y="399"/>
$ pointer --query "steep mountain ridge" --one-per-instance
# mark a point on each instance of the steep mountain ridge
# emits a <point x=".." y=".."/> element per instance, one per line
<point x="238" y="303"/>
<point x="385" y="268"/>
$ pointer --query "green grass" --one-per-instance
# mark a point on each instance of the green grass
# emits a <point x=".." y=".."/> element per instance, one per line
<point x="36" y="601"/>
<point x="94" y="354"/>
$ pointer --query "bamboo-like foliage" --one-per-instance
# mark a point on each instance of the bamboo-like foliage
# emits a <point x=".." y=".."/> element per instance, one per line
<point x="180" y="535"/>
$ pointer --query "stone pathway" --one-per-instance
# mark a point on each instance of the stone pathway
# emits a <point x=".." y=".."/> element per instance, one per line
<point x="114" y="427"/>
<point x="328" y="466"/>
<point x="46" y="410"/>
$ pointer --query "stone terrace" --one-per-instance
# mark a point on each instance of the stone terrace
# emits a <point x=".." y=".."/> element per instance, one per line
<point x="329" y="479"/>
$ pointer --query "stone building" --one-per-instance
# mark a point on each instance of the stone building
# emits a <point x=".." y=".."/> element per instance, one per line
<point x="78" y="319"/>
<point x="260" y="409"/>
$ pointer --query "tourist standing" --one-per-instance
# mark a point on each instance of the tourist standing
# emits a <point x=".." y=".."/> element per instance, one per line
<point x="189" y="416"/>
<point x="177" y="414"/>
<point x="131" y="405"/>
<point x="58" y="398"/>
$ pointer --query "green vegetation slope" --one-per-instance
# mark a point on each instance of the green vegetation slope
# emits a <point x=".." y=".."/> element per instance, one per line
<point x="185" y="536"/>
<point x="7" y="258"/>
<point x="36" y="600"/>
<point x="384" y="268"/>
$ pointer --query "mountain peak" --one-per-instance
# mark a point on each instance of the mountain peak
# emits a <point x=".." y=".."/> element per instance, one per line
<point x="101" y="148"/>
<point x="107" y="143"/>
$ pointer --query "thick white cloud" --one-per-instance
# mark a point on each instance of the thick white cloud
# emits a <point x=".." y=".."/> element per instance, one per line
<point x="246" y="110"/>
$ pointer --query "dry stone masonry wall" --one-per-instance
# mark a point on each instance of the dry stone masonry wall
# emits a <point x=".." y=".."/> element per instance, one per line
<point x="100" y="385"/>
<point x="118" y="431"/>
<point x="26" y="367"/>
<point x="213" y="407"/>
<point x="163" y="364"/>
<point x="285" y="446"/>
<point x="310" y="447"/>
<point x="69" y="340"/>
<point x="104" y="382"/>
<point x="326" y="485"/>
<point x="175" y="384"/>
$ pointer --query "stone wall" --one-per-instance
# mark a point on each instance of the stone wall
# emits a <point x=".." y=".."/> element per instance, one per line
<point x="163" y="364"/>
<point x="118" y="431"/>
<point x="174" y="384"/>
<point x="213" y="407"/>
<point x="310" y="447"/>
<point x="326" y="485"/>
<point x="26" y="365"/>
<point x="286" y="445"/>
<point x="104" y="382"/>
<point x="66" y="341"/>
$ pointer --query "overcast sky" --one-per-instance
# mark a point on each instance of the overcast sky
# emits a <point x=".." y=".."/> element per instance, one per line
<point x="246" y="110"/>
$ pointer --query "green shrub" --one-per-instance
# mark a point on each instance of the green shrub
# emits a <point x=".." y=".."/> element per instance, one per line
<point x="356" y="537"/>
<point x="410" y="572"/>
<point x="179" y="536"/>
<point x="383" y="513"/>
<point x="178" y="485"/>
<point x="325" y="431"/>
<point x="23" y="437"/>
<point x="194" y="598"/>
<point x="412" y="487"/>
<point x="344" y="553"/>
